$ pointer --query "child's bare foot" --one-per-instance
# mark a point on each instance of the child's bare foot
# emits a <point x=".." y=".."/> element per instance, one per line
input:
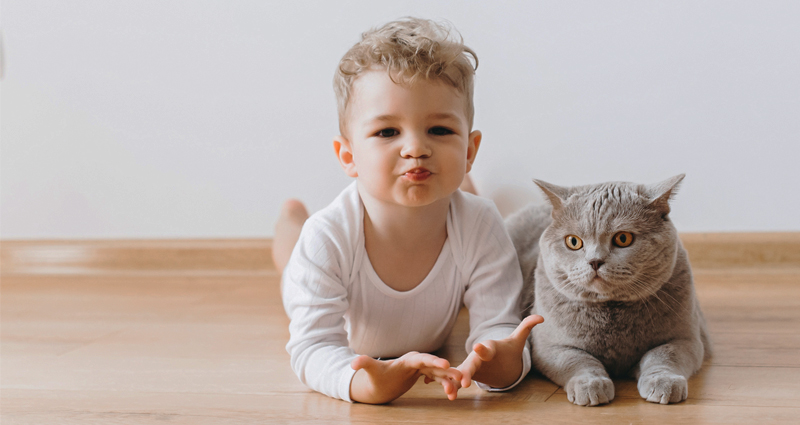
<point x="467" y="186"/>
<point x="287" y="231"/>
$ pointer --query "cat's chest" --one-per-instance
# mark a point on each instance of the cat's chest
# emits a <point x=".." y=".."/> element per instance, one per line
<point x="616" y="333"/>
<point x="605" y="324"/>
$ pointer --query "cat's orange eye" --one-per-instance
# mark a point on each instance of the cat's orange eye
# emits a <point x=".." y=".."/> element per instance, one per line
<point x="623" y="239"/>
<point x="573" y="242"/>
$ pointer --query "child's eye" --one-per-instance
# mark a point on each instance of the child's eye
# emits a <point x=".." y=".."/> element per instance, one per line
<point x="387" y="132"/>
<point x="440" y="131"/>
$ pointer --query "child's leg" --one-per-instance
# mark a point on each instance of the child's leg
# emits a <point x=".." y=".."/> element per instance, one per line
<point x="467" y="185"/>
<point x="287" y="231"/>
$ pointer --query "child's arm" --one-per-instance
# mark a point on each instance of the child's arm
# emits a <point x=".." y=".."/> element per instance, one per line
<point x="381" y="381"/>
<point x="499" y="356"/>
<point x="315" y="297"/>
<point x="498" y="363"/>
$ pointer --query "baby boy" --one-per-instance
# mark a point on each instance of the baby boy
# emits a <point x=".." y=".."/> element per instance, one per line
<point x="373" y="282"/>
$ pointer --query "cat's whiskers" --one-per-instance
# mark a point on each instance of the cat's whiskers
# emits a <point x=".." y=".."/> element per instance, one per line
<point x="643" y="297"/>
<point x="670" y="306"/>
<point x="675" y="301"/>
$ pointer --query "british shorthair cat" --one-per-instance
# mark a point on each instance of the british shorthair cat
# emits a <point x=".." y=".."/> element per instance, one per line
<point x="605" y="267"/>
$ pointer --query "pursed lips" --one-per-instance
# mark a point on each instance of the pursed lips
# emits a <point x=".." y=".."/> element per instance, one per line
<point x="417" y="174"/>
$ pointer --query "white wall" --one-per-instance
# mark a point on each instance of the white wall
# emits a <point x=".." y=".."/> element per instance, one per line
<point x="196" y="118"/>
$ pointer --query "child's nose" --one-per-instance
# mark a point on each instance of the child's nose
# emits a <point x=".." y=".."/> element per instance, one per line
<point x="415" y="146"/>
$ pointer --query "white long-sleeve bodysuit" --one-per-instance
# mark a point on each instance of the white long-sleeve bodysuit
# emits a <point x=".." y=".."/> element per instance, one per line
<point x="339" y="307"/>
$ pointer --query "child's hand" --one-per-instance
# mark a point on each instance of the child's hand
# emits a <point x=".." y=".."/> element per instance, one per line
<point x="498" y="363"/>
<point x="381" y="381"/>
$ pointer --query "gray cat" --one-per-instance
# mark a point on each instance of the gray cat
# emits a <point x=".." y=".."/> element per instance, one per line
<point x="603" y="264"/>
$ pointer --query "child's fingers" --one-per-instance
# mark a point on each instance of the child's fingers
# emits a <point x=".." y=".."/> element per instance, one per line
<point x="451" y="373"/>
<point x="449" y="388"/>
<point x="449" y="385"/>
<point x="485" y="350"/>
<point x="524" y="329"/>
<point x="424" y="360"/>
<point x="468" y="369"/>
<point x="466" y="380"/>
<point x="449" y="380"/>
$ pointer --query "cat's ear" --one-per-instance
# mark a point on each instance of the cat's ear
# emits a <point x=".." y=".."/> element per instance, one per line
<point x="662" y="192"/>
<point x="555" y="194"/>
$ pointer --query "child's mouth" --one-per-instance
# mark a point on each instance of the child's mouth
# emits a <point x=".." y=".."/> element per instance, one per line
<point x="417" y="174"/>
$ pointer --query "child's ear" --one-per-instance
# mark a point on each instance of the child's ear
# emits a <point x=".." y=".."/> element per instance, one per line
<point x="344" y="153"/>
<point x="473" y="144"/>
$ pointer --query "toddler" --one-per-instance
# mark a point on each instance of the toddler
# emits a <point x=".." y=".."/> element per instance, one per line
<point x="374" y="281"/>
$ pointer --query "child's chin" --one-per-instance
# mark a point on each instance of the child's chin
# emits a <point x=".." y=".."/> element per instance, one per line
<point x="416" y="202"/>
<point x="417" y="196"/>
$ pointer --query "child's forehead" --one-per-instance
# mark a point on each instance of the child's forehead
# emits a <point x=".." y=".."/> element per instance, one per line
<point x="382" y="81"/>
<point x="376" y="91"/>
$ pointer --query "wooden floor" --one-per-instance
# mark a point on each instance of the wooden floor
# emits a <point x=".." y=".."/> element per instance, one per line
<point x="207" y="347"/>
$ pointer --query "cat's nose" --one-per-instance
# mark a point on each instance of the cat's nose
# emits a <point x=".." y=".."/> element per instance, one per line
<point x="596" y="264"/>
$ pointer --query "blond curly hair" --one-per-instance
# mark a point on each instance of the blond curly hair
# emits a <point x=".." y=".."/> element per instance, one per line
<point x="409" y="49"/>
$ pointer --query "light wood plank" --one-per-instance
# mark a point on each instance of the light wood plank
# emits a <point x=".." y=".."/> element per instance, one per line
<point x="202" y="348"/>
<point x="70" y="407"/>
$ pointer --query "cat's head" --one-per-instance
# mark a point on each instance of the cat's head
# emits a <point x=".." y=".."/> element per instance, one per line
<point x="610" y="241"/>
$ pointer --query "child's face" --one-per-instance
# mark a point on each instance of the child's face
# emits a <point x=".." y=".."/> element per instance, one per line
<point x="407" y="145"/>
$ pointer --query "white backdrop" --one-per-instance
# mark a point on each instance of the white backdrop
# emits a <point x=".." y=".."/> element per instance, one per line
<point x="195" y="119"/>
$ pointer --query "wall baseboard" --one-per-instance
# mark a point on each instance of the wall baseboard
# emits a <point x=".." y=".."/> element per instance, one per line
<point x="713" y="250"/>
<point x="159" y="256"/>
<point x="254" y="256"/>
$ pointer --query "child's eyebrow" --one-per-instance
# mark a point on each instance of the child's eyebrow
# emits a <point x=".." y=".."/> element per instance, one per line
<point x="435" y="115"/>
<point x="385" y="117"/>
<point x="444" y="115"/>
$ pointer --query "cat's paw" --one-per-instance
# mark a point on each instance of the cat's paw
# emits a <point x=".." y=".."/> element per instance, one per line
<point x="663" y="388"/>
<point x="589" y="390"/>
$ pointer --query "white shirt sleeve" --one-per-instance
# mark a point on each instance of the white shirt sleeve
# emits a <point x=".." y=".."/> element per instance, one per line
<point x="492" y="294"/>
<point x="315" y="298"/>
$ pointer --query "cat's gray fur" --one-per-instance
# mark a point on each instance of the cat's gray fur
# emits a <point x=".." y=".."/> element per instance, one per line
<point x="641" y="320"/>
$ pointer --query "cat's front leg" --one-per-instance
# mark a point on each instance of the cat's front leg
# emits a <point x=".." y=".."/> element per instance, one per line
<point x="583" y="377"/>
<point x="663" y="371"/>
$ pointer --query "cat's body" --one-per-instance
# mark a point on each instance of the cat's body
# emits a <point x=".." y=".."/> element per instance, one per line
<point x="610" y="308"/>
